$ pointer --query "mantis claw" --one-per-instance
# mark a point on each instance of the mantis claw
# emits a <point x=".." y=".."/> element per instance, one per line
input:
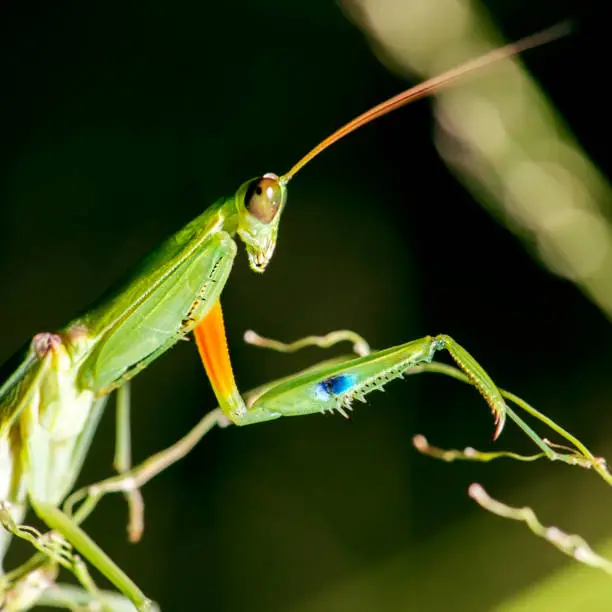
<point x="478" y="377"/>
<point x="500" y="421"/>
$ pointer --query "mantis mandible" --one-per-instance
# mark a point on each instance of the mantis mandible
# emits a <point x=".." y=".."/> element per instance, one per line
<point x="53" y="393"/>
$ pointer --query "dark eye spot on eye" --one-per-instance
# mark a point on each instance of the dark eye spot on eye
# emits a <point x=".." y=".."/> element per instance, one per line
<point x="253" y="189"/>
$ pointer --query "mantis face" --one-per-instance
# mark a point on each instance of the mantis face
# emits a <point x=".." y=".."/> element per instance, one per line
<point x="259" y="205"/>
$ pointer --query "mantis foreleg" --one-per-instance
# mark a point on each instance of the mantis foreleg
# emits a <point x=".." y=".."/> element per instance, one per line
<point x="578" y="454"/>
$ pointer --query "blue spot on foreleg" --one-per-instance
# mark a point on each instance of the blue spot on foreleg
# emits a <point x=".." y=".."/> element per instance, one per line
<point x="336" y="385"/>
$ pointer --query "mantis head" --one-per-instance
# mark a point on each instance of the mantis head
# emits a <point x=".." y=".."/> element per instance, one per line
<point x="260" y="203"/>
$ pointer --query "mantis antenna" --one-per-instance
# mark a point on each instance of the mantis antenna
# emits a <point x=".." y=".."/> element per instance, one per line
<point x="429" y="87"/>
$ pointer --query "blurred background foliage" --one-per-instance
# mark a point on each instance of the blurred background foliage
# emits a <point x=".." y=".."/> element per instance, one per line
<point x="121" y="121"/>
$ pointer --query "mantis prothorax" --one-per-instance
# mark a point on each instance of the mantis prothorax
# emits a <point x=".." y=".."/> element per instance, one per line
<point x="54" y="392"/>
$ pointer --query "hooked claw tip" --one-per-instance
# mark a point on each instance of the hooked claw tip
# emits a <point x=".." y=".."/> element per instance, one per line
<point x="500" y="421"/>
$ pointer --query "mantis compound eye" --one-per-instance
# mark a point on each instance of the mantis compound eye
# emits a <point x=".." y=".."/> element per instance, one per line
<point x="264" y="197"/>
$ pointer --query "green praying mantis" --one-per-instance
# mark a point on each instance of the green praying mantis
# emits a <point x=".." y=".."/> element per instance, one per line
<point x="53" y="393"/>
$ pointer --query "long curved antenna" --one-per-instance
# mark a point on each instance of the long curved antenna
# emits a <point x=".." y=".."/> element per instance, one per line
<point x="431" y="86"/>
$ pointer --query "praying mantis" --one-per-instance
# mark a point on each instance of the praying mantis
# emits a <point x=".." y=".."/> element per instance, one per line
<point x="53" y="393"/>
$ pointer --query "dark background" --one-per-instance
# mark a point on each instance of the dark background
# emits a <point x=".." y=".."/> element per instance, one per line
<point x="121" y="121"/>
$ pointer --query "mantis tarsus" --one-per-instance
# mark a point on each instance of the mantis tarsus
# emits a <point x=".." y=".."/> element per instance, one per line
<point x="55" y="390"/>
